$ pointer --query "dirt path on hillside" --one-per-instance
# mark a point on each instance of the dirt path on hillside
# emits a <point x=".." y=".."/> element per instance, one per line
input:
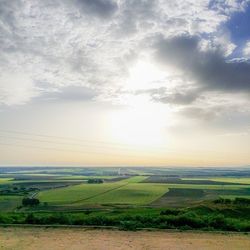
<point x="76" y="239"/>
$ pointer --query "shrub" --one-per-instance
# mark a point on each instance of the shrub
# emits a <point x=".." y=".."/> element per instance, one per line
<point x="95" y="181"/>
<point x="31" y="219"/>
<point x="222" y="201"/>
<point x="170" y="212"/>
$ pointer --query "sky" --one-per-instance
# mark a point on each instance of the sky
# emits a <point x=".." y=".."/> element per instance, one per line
<point x="125" y="83"/>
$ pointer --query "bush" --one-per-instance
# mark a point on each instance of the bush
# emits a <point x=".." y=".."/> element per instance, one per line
<point x="59" y="218"/>
<point x="216" y="221"/>
<point x="31" y="219"/>
<point x="190" y="220"/>
<point x="170" y="212"/>
<point x="87" y="212"/>
<point x="95" y="181"/>
<point x="222" y="201"/>
<point x="5" y="219"/>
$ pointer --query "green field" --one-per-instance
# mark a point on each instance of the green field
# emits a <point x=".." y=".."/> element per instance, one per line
<point x="85" y="193"/>
<point x="84" y="177"/>
<point x="154" y="198"/>
<point x="75" y="193"/>
<point x="133" y="191"/>
<point x="68" y="189"/>
<point x="132" y="194"/>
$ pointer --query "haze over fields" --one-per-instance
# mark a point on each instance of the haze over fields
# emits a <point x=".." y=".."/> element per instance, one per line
<point x="124" y="83"/>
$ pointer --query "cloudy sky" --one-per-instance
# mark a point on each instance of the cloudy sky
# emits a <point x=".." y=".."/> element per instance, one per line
<point x="125" y="82"/>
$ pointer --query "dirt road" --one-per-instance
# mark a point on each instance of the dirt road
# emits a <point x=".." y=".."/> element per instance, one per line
<point x="76" y="239"/>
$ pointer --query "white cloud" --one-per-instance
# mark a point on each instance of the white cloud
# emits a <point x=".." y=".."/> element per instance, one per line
<point x="246" y="50"/>
<point x="16" y="88"/>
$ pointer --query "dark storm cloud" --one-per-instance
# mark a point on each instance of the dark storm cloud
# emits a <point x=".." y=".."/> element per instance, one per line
<point x="209" y="69"/>
<point x="101" y="8"/>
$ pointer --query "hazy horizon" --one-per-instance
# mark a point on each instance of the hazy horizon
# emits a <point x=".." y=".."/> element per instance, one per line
<point x="125" y="83"/>
<point x="128" y="167"/>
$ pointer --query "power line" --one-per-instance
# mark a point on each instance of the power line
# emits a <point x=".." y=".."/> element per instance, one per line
<point x="63" y="143"/>
<point x="87" y="143"/>
<point x="66" y="150"/>
<point x="108" y="144"/>
<point x="82" y="145"/>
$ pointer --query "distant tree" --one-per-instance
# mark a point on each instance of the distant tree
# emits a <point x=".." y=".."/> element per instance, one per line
<point x="30" y="202"/>
<point x="242" y="201"/>
<point x="95" y="181"/>
<point x="222" y="201"/>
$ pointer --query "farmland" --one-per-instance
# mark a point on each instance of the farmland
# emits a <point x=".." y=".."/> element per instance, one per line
<point x="95" y="193"/>
<point x="223" y="179"/>
<point x="116" y="196"/>
<point x="67" y="189"/>
<point x="133" y="194"/>
<point x="9" y="203"/>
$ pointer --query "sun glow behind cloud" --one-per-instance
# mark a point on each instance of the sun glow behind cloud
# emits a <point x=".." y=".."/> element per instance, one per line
<point x="141" y="125"/>
<point x="141" y="122"/>
<point x="145" y="75"/>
